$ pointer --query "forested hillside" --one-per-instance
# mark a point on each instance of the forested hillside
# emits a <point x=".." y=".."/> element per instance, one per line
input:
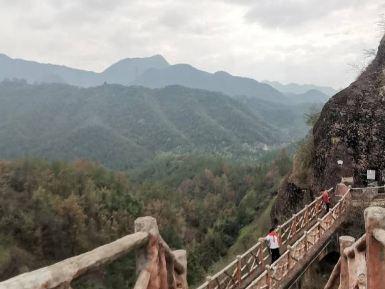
<point x="123" y="126"/>
<point x="289" y="118"/>
<point x="188" y="76"/>
<point x="51" y="211"/>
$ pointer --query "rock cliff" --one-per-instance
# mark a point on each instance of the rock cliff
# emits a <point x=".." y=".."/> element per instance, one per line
<point x="351" y="128"/>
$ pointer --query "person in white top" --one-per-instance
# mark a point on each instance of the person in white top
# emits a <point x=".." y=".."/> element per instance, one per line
<point x="273" y="242"/>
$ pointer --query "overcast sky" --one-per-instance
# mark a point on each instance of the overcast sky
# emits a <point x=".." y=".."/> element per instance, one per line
<point x="303" y="41"/>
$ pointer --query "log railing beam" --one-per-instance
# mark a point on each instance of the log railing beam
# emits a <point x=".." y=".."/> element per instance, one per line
<point x="345" y="242"/>
<point x="62" y="273"/>
<point x="375" y="250"/>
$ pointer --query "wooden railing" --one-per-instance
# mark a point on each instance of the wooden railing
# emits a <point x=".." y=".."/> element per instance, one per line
<point x="252" y="264"/>
<point x="362" y="261"/>
<point x="301" y="252"/>
<point x="160" y="268"/>
<point x="157" y="266"/>
<point x="368" y="192"/>
<point x="368" y="197"/>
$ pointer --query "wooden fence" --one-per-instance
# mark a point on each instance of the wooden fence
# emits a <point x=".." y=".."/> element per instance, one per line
<point x="362" y="261"/>
<point x="160" y="268"/>
<point x="252" y="264"/>
<point x="307" y="246"/>
<point x="157" y="266"/>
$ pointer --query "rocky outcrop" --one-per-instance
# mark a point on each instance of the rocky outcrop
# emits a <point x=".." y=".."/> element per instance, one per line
<point x="351" y="128"/>
<point x="290" y="199"/>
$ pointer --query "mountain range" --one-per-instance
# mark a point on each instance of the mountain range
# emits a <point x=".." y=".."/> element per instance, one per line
<point x="295" y="88"/>
<point x="139" y="108"/>
<point x="156" y="72"/>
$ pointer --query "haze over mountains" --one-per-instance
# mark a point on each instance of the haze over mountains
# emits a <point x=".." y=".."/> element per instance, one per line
<point x="294" y="88"/>
<point x="156" y="72"/>
<point x="139" y="108"/>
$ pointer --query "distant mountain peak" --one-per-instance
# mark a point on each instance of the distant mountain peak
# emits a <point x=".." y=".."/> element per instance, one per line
<point x="222" y="73"/>
<point x="125" y="71"/>
<point x="157" y="60"/>
<point x="315" y="91"/>
<point x="4" y="56"/>
<point x="300" y="88"/>
<point x="159" y="57"/>
<point x="185" y="66"/>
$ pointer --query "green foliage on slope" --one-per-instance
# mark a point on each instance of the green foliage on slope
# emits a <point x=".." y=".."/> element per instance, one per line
<point x="247" y="237"/>
<point x="123" y="126"/>
<point x="51" y="211"/>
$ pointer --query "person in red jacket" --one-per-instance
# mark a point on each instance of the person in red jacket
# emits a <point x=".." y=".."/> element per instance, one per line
<point x="326" y="200"/>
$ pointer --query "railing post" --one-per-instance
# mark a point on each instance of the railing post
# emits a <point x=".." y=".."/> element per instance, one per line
<point x="318" y="233"/>
<point x="375" y="251"/>
<point x="147" y="258"/>
<point x="336" y="211"/>
<point x="239" y="271"/>
<point x="209" y="280"/>
<point x="181" y="280"/>
<point x="345" y="241"/>
<point x="319" y="220"/>
<point x="293" y="228"/>
<point x="171" y="276"/>
<point x="306" y="234"/>
<point x="306" y="217"/>
<point x="357" y="268"/>
<point x="269" y="271"/>
<point x="261" y="257"/>
<point x="317" y="207"/>
<point x="290" y="258"/>
<point x="164" y="278"/>
<point x="148" y="225"/>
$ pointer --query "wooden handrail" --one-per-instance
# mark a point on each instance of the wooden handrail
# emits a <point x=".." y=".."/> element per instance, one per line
<point x="143" y="280"/>
<point x="359" y="245"/>
<point x="376" y="187"/>
<point x="251" y="264"/>
<point x="362" y="263"/>
<point x="156" y="263"/>
<point x="62" y="273"/>
<point x="159" y="267"/>
<point x="293" y="259"/>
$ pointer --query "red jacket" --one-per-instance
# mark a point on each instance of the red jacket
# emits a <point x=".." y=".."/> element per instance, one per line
<point x="325" y="197"/>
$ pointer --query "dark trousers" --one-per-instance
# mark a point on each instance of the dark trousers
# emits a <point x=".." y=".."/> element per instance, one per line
<point x="327" y="207"/>
<point x="274" y="255"/>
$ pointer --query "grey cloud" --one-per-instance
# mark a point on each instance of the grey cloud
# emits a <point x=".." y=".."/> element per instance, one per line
<point x="184" y="18"/>
<point x="174" y="19"/>
<point x="289" y="13"/>
<point x="209" y="34"/>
